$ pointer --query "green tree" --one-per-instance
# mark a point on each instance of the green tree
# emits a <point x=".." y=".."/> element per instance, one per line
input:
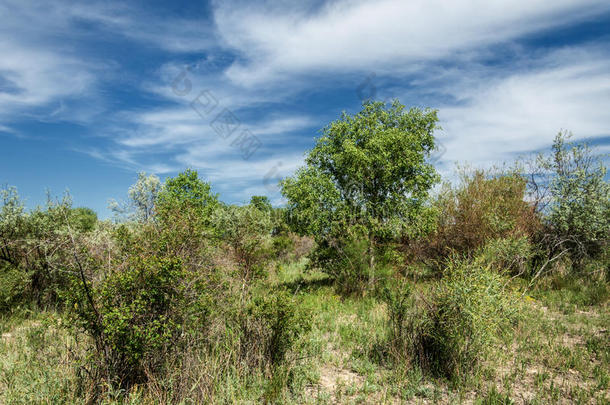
<point x="84" y="219"/>
<point x="187" y="189"/>
<point x="261" y="202"/>
<point x="185" y="211"/>
<point x="367" y="169"/>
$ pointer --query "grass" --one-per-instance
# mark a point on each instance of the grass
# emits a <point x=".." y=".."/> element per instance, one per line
<point x="561" y="354"/>
<point x="35" y="361"/>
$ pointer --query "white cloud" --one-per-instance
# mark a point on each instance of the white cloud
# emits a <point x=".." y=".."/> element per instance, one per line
<point x="236" y="178"/>
<point x="38" y="78"/>
<point x="352" y="35"/>
<point x="495" y="113"/>
<point x="45" y="65"/>
<point x="41" y="72"/>
<point x="168" y="33"/>
<point x="515" y="113"/>
<point x="174" y="82"/>
<point x="171" y="139"/>
<point x="183" y="125"/>
<point x="8" y="130"/>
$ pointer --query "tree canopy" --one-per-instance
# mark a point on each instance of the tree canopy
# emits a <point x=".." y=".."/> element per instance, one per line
<point x="370" y="168"/>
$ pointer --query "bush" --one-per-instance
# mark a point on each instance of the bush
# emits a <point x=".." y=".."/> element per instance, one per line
<point x="483" y="207"/>
<point x="282" y="246"/>
<point x="247" y="231"/>
<point x="569" y="291"/>
<point x="507" y="255"/>
<point x="184" y="210"/>
<point x="13" y="285"/>
<point x="473" y="309"/>
<point x="37" y="244"/>
<point x="84" y="219"/>
<point x="140" y="206"/>
<point x="141" y="313"/>
<point x="579" y="208"/>
<point x="450" y="329"/>
<point x="347" y="259"/>
<point x="408" y="324"/>
<point x="270" y="327"/>
<point x="288" y="245"/>
<point x="138" y="316"/>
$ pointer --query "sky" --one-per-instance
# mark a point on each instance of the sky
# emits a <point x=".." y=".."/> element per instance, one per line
<point x="93" y="92"/>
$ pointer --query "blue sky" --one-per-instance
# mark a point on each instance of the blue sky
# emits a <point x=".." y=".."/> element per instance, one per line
<point x="92" y="92"/>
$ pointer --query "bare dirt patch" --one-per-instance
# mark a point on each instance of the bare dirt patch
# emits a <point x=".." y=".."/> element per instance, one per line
<point x="331" y="377"/>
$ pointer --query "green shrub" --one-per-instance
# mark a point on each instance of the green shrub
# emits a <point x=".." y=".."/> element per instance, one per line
<point x="283" y="241"/>
<point x="261" y="203"/>
<point x="270" y="327"/>
<point x="84" y="219"/>
<point x="347" y="259"/>
<point x="138" y="319"/>
<point x="282" y="246"/>
<point x="450" y="329"/>
<point x="473" y="309"/>
<point x="511" y="255"/>
<point x="38" y="244"/>
<point x="13" y="286"/>
<point x="247" y="231"/>
<point x="408" y="324"/>
<point x="141" y="314"/>
<point x="579" y="209"/>
<point x="184" y="210"/>
<point x="354" y="261"/>
<point x="567" y="291"/>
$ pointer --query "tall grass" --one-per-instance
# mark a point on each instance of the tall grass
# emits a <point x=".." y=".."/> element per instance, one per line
<point x="450" y="329"/>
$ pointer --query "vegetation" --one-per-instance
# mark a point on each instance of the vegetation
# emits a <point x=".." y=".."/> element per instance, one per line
<point x="449" y="329"/>
<point x="483" y="206"/>
<point x="580" y="204"/>
<point x="368" y="287"/>
<point x="367" y="174"/>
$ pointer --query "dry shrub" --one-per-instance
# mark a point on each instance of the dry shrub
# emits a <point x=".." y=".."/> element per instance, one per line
<point x="483" y="207"/>
<point x="302" y="245"/>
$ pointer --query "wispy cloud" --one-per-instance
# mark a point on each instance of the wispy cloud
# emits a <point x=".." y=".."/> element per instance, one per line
<point x="45" y="64"/>
<point x="385" y="35"/>
<point x="182" y="125"/>
<point x="39" y="78"/>
<point x="166" y="140"/>
<point x="509" y="114"/>
<point x="65" y="19"/>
